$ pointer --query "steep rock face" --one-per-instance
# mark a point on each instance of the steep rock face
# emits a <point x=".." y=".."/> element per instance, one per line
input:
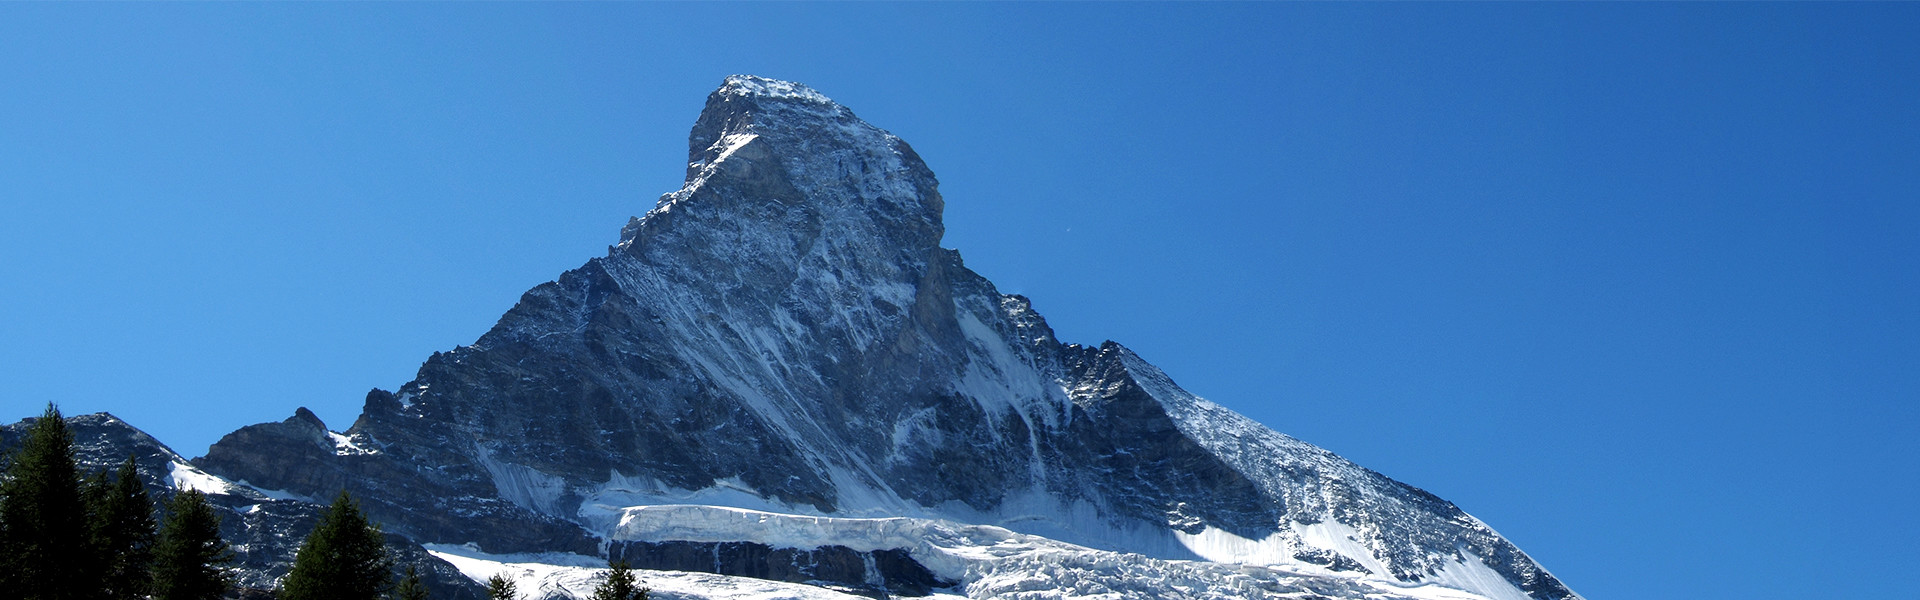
<point x="415" y="485"/>
<point x="784" y="332"/>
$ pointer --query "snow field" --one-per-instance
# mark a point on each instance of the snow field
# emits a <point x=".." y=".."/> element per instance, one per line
<point x="573" y="577"/>
<point x="994" y="562"/>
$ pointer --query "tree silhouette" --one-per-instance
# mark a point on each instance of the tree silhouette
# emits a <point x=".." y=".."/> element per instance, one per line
<point x="123" y="531"/>
<point x="45" y="549"/>
<point x="344" y="558"/>
<point x="189" y="559"/>
<point x="619" y="584"/>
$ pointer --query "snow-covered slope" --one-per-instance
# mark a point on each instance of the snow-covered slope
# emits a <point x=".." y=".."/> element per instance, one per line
<point x="988" y="562"/>
<point x="784" y="333"/>
<point x="573" y="577"/>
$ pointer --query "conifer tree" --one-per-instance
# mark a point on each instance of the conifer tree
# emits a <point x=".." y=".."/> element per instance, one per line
<point x="344" y="558"/>
<point x="619" y="584"/>
<point x="410" y="587"/>
<point x="45" y="538"/>
<point x="123" y="531"/>
<point x="93" y="493"/>
<point x="189" y="559"/>
<point x="501" y="588"/>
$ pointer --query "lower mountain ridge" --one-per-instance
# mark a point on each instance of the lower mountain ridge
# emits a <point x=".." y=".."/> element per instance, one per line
<point x="778" y="384"/>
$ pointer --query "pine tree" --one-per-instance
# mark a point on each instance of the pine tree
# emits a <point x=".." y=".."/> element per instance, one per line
<point x="123" y="531"/>
<point x="189" y="559"/>
<point x="345" y="558"/>
<point x="410" y="587"/>
<point x="619" y="584"/>
<point x="501" y="588"/>
<point x="45" y="538"/>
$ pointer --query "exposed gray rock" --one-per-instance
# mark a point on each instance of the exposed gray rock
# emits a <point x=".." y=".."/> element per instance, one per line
<point x="419" y="489"/>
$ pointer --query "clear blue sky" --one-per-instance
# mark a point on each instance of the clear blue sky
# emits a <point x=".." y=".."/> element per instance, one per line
<point x="1639" y="285"/>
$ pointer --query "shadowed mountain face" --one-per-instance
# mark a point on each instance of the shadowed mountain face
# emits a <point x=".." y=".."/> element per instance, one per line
<point x="785" y="333"/>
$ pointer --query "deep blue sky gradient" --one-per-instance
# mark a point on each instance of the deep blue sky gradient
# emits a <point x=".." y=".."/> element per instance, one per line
<point x="1635" y="284"/>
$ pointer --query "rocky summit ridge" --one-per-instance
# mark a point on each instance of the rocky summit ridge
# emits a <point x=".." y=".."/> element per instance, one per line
<point x="778" y="364"/>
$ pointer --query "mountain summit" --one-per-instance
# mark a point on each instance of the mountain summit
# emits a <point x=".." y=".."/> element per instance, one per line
<point x="778" y="372"/>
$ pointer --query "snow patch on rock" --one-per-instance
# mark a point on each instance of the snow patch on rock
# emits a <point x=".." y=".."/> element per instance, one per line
<point x="183" y="476"/>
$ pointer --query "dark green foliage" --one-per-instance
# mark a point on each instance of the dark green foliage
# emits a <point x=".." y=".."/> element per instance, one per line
<point x="345" y="558"/>
<point x="410" y="587"/>
<point x="94" y="492"/>
<point x="501" y="588"/>
<point x="45" y="552"/>
<point x="123" y="531"/>
<point x="619" y="584"/>
<point x="189" y="559"/>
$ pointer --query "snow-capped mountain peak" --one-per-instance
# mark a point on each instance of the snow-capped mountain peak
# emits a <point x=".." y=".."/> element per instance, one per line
<point x="784" y="335"/>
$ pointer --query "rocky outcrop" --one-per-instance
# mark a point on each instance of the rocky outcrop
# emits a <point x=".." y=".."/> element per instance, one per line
<point x="416" y="487"/>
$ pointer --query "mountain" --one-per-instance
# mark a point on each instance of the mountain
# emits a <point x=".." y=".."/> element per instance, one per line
<point x="778" y="373"/>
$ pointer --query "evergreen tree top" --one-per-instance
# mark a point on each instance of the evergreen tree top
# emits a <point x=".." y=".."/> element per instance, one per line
<point x="123" y="530"/>
<point x="190" y="559"/>
<point x="344" y="558"/>
<point x="45" y="549"/>
<point x="501" y="588"/>
<point x="619" y="584"/>
<point x="410" y="588"/>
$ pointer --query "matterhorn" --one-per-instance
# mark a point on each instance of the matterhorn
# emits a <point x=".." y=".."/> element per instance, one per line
<point x="778" y="384"/>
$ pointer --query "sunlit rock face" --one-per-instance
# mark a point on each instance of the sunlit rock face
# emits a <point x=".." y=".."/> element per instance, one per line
<point x="785" y="333"/>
